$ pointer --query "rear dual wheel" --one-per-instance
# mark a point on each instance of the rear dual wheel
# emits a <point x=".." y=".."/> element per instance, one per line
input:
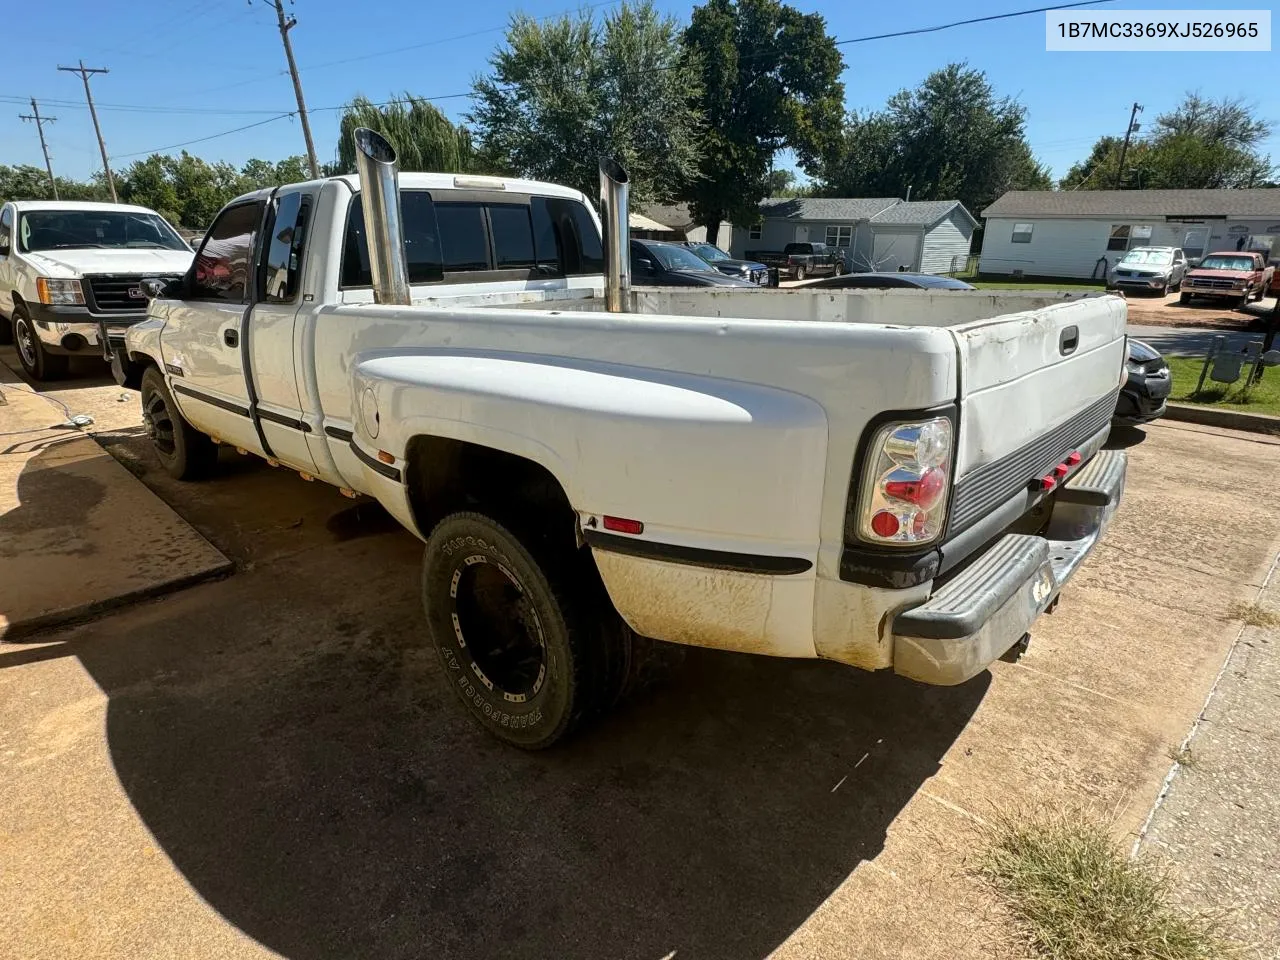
<point x="526" y="634"/>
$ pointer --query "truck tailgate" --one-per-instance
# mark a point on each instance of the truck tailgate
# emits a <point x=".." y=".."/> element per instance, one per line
<point x="1033" y="386"/>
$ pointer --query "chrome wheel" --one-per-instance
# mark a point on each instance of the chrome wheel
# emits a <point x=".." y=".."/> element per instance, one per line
<point x="26" y="342"/>
<point x="158" y="420"/>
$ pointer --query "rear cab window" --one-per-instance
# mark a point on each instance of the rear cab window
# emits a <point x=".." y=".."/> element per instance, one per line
<point x="462" y="236"/>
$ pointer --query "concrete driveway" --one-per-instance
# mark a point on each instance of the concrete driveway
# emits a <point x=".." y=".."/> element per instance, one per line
<point x="270" y="764"/>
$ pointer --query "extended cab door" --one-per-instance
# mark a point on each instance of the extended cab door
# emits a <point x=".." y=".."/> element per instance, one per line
<point x="273" y="334"/>
<point x="201" y="339"/>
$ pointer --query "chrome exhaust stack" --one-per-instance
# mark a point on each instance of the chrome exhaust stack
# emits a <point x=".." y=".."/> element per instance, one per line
<point x="383" y="227"/>
<point x="617" y="236"/>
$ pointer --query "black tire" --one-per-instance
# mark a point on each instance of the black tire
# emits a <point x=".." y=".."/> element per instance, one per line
<point x="1259" y="294"/>
<point x="1176" y="288"/>
<point x="1184" y="297"/>
<point x="528" y="642"/>
<point x="35" y="359"/>
<point x="183" y="451"/>
<point x="801" y="273"/>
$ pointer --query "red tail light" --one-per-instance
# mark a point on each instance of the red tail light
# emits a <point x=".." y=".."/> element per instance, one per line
<point x="905" y="483"/>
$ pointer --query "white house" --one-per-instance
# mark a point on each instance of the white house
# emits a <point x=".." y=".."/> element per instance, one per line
<point x="1081" y="233"/>
<point x="878" y="233"/>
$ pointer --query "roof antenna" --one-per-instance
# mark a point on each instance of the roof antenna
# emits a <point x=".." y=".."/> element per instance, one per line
<point x="908" y="200"/>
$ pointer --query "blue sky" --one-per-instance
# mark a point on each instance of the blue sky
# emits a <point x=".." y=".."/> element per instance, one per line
<point x="202" y="68"/>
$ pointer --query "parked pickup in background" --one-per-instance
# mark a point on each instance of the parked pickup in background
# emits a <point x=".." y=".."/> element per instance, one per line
<point x="888" y="480"/>
<point x="70" y="275"/>
<point x="1232" y="276"/>
<point x="802" y="260"/>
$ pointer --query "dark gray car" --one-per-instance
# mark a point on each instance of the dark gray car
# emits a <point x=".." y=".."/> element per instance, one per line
<point x="656" y="263"/>
<point x="757" y="273"/>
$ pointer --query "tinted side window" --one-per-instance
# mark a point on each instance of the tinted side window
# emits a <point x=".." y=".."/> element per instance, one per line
<point x="576" y="235"/>
<point x="284" y="256"/>
<point x="225" y="262"/>
<point x="512" y="236"/>
<point x="6" y="230"/>
<point x="462" y="236"/>
<point x="545" y="246"/>
<point x="421" y="241"/>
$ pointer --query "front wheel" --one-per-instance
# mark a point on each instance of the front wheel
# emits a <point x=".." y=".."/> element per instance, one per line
<point x="801" y="273"/>
<point x="35" y="359"/>
<point x="1184" y="298"/>
<point x="183" y="451"/>
<point x="523" y="638"/>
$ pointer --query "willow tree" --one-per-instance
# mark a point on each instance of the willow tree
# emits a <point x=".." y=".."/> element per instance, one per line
<point x="424" y="138"/>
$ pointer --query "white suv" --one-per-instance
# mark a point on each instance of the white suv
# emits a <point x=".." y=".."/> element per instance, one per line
<point x="70" y="275"/>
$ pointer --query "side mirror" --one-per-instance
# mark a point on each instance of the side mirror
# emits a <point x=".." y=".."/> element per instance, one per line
<point x="153" y="287"/>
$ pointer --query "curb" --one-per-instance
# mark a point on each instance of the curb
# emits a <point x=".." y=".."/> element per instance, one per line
<point x="18" y="632"/>
<point x="1230" y="419"/>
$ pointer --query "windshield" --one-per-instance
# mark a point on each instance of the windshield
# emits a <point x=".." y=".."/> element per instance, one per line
<point x="679" y="259"/>
<point x="1161" y="258"/>
<point x="1227" y="263"/>
<point x="67" y="229"/>
<point x="709" y="252"/>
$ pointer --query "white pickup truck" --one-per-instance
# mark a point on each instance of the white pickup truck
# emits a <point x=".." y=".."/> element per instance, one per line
<point x="894" y="479"/>
<point x="70" y="274"/>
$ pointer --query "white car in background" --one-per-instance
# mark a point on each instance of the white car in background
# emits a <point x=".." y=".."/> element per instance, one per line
<point x="1158" y="269"/>
<point x="70" y="275"/>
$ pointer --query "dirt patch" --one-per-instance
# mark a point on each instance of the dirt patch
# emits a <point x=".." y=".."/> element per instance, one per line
<point x="1168" y="312"/>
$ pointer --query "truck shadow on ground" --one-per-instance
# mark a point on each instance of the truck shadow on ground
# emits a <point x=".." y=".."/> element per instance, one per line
<point x="287" y="738"/>
<point x="289" y="742"/>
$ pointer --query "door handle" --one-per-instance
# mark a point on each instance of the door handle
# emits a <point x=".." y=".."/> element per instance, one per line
<point x="1069" y="340"/>
<point x="231" y="337"/>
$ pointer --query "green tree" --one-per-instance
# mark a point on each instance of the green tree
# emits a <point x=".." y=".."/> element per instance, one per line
<point x="1200" y="144"/>
<point x="424" y="137"/>
<point x="564" y="92"/>
<point x="770" y="79"/>
<point x="25" y="182"/>
<point x="256" y="174"/>
<point x="951" y="138"/>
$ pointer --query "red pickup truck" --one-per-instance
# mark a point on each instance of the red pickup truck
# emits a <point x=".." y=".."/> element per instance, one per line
<point x="1236" y="276"/>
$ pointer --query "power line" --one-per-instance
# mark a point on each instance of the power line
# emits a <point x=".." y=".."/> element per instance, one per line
<point x="44" y="147"/>
<point x="637" y="73"/>
<point x="964" y="23"/>
<point x="84" y="73"/>
<point x="212" y="136"/>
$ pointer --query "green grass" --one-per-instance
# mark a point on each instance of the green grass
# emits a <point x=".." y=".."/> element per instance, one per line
<point x="1073" y="895"/>
<point x="1263" y="397"/>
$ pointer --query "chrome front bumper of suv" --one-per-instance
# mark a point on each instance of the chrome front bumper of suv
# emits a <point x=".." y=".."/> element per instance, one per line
<point x="988" y="608"/>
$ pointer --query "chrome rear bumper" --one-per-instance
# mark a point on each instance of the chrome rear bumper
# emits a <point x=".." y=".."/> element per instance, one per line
<point x="986" y="609"/>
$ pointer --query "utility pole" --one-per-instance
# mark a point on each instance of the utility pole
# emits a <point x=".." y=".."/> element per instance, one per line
<point x="84" y="73"/>
<point x="40" y="121"/>
<point x="1129" y="131"/>
<point x="286" y="24"/>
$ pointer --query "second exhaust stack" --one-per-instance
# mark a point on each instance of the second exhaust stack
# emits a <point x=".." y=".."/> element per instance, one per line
<point x="383" y="228"/>
<point x="617" y="236"/>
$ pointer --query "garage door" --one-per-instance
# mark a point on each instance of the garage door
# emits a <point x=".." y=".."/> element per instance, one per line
<point x="894" y="250"/>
